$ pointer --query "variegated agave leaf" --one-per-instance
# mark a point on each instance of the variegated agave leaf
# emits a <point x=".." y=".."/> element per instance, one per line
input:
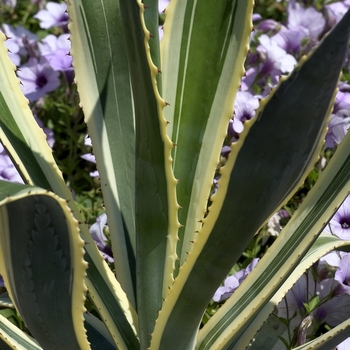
<point x="257" y="180"/>
<point x="45" y="273"/>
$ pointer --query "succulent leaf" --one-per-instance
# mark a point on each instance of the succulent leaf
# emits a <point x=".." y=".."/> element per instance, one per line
<point x="107" y="104"/>
<point x="27" y="146"/>
<point x="45" y="274"/>
<point x="202" y="65"/>
<point x="239" y="211"/>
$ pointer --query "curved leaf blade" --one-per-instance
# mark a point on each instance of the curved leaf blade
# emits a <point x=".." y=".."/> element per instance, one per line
<point x="155" y="198"/>
<point x="45" y="274"/>
<point x="291" y="246"/>
<point x="13" y="338"/>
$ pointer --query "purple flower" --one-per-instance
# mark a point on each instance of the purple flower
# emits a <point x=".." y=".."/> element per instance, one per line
<point x="233" y="282"/>
<point x="2" y="282"/>
<point x="342" y="102"/>
<point x="8" y="172"/>
<point x="20" y="41"/>
<point x="249" y="78"/>
<point x="293" y="302"/>
<point x="337" y="129"/>
<point x="96" y="231"/>
<point x="332" y="308"/>
<point x="340" y="118"/>
<point x="307" y="20"/>
<point x="38" y="78"/>
<point x="345" y="345"/>
<point x="289" y="40"/>
<point x="89" y="156"/>
<point x="274" y="61"/>
<point x="162" y="5"/>
<point x="267" y="25"/>
<point x="256" y="17"/>
<point x="245" y="106"/>
<point x="336" y="11"/>
<point x="244" y="109"/>
<point x="56" y="51"/>
<point x="225" y="150"/>
<point x="48" y="132"/>
<point x="333" y="258"/>
<point x="274" y="223"/>
<point x="336" y="309"/>
<point x="339" y="225"/>
<point x="328" y="263"/>
<point x="55" y="15"/>
<point x="342" y="275"/>
<point x="277" y="60"/>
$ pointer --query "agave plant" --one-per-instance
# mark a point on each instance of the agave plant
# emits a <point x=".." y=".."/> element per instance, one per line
<point x="157" y="115"/>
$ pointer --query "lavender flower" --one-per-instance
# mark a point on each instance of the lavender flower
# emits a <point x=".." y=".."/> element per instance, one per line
<point x="56" y="51"/>
<point x="274" y="61"/>
<point x="233" y="282"/>
<point x="336" y="308"/>
<point x="345" y="345"/>
<point x="293" y="302"/>
<point x="89" y="156"/>
<point x="342" y="275"/>
<point x="307" y="20"/>
<point x="333" y="307"/>
<point x="20" y="41"/>
<point x="328" y="264"/>
<point x="96" y="231"/>
<point x="336" y="11"/>
<point x="245" y="106"/>
<point x="268" y="25"/>
<point x="340" y="118"/>
<point x="244" y="109"/>
<point x="289" y="40"/>
<point x="225" y="150"/>
<point x="337" y="129"/>
<point x="38" y="78"/>
<point x="339" y="225"/>
<point x="55" y="15"/>
<point x="48" y="132"/>
<point x="277" y="60"/>
<point x="333" y="299"/>
<point x="274" y="223"/>
<point x="162" y="5"/>
<point x="8" y="172"/>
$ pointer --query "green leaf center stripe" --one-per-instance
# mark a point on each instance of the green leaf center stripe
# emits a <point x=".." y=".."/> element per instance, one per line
<point x="38" y="230"/>
<point x="183" y="82"/>
<point x="21" y="339"/>
<point x="203" y="103"/>
<point x="108" y="108"/>
<point x="88" y="36"/>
